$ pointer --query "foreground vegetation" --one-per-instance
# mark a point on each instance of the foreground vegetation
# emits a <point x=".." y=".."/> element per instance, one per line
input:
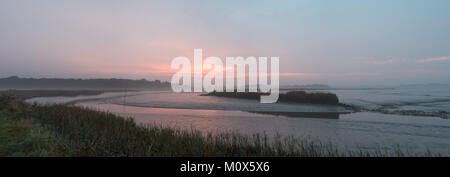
<point x="20" y="138"/>
<point x="64" y="130"/>
<point x="289" y="97"/>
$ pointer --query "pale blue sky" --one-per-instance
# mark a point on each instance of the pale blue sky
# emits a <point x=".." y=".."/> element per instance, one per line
<point x="341" y="43"/>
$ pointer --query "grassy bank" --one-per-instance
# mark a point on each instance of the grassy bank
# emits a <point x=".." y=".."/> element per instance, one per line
<point x="289" y="97"/>
<point x="22" y="138"/>
<point x="64" y="130"/>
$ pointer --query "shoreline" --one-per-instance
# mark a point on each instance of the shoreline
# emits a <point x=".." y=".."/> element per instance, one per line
<point x="212" y="111"/>
<point x="102" y="126"/>
<point x="62" y="123"/>
<point x="33" y="94"/>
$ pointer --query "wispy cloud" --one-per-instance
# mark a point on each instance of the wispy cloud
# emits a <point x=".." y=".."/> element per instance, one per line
<point x="284" y="74"/>
<point x="427" y="60"/>
<point x="385" y="62"/>
<point x="361" y="74"/>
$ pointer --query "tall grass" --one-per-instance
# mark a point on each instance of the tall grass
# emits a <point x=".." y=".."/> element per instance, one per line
<point x="21" y="138"/>
<point x="93" y="133"/>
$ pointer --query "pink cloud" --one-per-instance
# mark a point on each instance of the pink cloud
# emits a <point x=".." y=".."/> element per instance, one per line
<point x="390" y="61"/>
<point x="293" y="74"/>
<point x="427" y="60"/>
<point x="361" y="74"/>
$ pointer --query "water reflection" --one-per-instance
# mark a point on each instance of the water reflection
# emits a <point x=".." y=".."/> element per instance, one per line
<point x="320" y="115"/>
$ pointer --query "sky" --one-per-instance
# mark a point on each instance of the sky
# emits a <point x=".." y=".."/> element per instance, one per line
<point x="340" y="43"/>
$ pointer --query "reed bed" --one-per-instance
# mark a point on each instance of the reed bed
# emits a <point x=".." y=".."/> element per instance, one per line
<point x="289" y="97"/>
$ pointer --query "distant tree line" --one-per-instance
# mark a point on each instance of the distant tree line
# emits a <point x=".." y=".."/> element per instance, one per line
<point x="15" y="82"/>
